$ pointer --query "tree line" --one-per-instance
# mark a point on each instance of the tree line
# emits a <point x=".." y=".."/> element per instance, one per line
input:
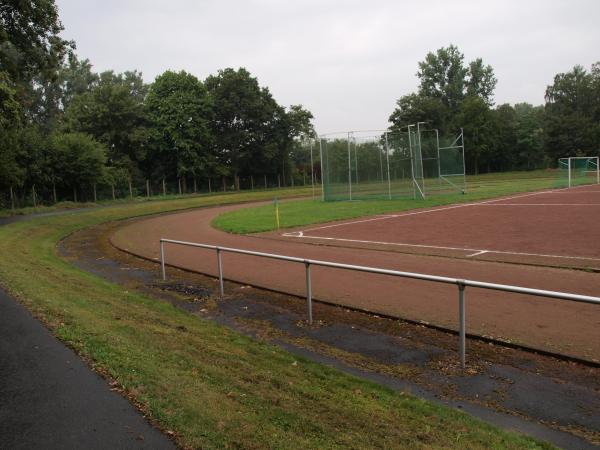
<point x="453" y="94"/>
<point x="63" y="126"/>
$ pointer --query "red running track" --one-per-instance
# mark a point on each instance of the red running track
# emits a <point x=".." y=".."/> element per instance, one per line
<point x="561" y="326"/>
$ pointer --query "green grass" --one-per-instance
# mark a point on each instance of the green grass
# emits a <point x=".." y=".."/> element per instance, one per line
<point x="298" y="213"/>
<point x="213" y="387"/>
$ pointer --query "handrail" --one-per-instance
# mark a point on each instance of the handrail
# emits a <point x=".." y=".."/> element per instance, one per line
<point x="462" y="284"/>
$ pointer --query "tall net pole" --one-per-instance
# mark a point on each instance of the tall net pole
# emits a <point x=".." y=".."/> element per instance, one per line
<point x="349" y="169"/>
<point x="387" y="161"/>
<point x="322" y="171"/>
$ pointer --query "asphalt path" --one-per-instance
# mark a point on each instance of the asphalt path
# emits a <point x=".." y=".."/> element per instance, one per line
<point x="50" y="399"/>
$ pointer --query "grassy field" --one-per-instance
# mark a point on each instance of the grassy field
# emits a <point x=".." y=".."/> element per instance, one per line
<point x="297" y="213"/>
<point x="210" y="386"/>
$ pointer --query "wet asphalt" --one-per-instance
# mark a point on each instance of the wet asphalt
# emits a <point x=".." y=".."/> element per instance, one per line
<point x="50" y="399"/>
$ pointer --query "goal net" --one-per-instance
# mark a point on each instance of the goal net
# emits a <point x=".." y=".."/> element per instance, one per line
<point x="383" y="164"/>
<point x="577" y="171"/>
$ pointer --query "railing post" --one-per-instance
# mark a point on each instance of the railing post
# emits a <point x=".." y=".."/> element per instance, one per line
<point x="461" y="322"/>
<point x="220" y="268"/>
<point x="162" y="260"/>
<point x="308" y="292"/>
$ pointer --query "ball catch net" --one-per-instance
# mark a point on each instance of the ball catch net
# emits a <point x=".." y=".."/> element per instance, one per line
<point x="385" y="164"/>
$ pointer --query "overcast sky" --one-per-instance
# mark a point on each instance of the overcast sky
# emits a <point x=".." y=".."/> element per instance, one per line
<point x="346" y="61"/>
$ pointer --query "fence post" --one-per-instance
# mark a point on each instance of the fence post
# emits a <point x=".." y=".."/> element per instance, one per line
<point x="308" y="292"/>
<point x="54" y="196"/>
<point x="220" y="269"/>
<point x="461" y="322"/>
<point x="162" y="260"/>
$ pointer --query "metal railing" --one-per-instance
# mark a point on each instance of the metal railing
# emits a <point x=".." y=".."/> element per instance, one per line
<point x="461" y="284"/>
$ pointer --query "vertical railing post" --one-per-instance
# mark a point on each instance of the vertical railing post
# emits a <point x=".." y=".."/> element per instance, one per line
<point x="461" y="322"/>
<point x="220" y="268"/>
<point x="308" y="291"/>
<point x="162" y="260"/>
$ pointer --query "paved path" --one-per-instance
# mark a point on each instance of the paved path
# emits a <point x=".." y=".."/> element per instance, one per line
<point x="50" y="399"/>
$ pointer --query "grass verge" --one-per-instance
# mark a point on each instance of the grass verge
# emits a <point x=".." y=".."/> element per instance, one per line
<point x="298" y="213"/>
<point x="213" y="387"/>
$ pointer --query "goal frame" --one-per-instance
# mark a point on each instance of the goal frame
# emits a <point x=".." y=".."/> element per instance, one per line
<point x="594" y="159"/>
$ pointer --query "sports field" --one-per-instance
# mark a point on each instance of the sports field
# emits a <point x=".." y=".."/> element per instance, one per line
<point x="538" y="240"/>
<point x="553" y="227"/>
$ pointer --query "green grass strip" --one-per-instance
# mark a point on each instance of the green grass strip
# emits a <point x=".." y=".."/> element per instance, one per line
<point x="213" y="387"/>
<point x="306" y="212"/>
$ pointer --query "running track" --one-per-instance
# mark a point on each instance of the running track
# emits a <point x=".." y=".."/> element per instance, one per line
<point x="566" y="327"/>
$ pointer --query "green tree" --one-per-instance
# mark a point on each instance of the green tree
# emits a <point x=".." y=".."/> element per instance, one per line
<point x="77" y="159"/>
<point x="297" y="130"/>
<point x="113" y="113"/>
<point x="30" y="44"/>
<point x="530" y="139"/>
<point x="572" y="113"/>
<point x="51" y="97"/>
<point x="414" y="108"/>
<point x="503" y="153"/>
<point x="247" y="124"/>
<point x="445" y="82"/>
<point x="10" y="123"/>
<point x="179" y="111"/>
<point x="476" y="116"/>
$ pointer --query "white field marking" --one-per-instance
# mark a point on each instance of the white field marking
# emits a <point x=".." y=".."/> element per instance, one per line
<point x="439" y="247"/>
<point x="542" y="204"/>
<point x="478" y="253"/>
<point x="427" y="211"/>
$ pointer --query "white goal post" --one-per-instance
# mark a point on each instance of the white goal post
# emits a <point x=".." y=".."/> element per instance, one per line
<point x="580" y="169"/>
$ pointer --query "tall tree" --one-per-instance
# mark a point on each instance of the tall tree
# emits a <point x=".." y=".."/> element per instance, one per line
<point x="572" y="113"/>
<point x="10" y="123"/>
<point x="113" y="113"/>
<point x="247" y="123"/>
<point x="179" y="111"/>
<point x="444" y="83"/>
<point x="30" y="45"/>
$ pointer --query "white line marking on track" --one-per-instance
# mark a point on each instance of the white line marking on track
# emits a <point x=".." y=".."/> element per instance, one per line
<point x="440" y="247"/>
<point x="542" y="204"/>
<point x="477" y="253"/>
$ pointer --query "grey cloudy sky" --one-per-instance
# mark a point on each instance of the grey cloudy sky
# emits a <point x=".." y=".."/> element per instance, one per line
<point x="346" y="61"/>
